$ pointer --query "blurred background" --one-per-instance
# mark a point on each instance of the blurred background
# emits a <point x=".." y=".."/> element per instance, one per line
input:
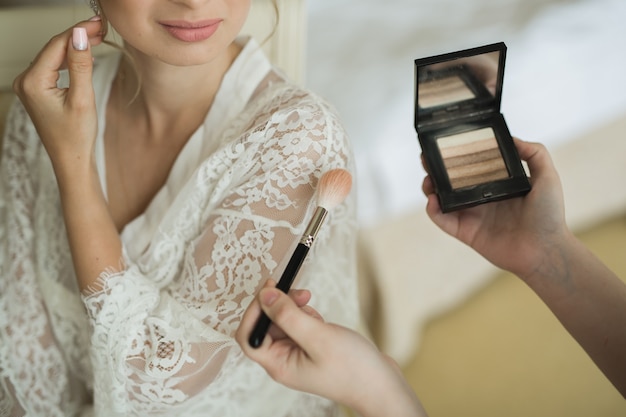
<point x="472" y="340"/>
<point x="563" y="76"/>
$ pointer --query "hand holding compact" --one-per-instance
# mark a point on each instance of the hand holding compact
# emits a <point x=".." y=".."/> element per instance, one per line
<point x="65" y="118"/>
<point x="513" y="234"/>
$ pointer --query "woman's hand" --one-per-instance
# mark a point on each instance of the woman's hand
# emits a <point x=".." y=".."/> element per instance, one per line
<point x="66" y="121"/>
<point x="303" y="352"/>
<point x="514" y="234"/>
<point x="65" y="118"/>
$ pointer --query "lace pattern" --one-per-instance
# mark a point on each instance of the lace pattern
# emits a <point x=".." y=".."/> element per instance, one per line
<point x="157" y="338"/>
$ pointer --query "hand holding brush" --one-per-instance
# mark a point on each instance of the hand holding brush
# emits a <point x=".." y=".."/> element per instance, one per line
<point x="332" y="189"/>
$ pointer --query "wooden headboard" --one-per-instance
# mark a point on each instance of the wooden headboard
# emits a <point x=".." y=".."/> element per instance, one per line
<point x="34" y="25"/>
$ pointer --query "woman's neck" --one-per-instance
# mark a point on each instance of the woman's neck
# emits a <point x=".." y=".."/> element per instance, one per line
<point x="167" y="97"/>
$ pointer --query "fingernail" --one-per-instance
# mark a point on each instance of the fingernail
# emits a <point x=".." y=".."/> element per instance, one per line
<point x="95" y="18"/>
<point x="79" y="39"/>
<point x="269" y="296"/>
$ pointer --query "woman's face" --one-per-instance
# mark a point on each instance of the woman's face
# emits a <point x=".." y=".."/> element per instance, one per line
<point x="178" y="32"/>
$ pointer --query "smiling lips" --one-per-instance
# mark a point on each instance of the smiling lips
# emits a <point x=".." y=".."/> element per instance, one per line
<point x="191" y="31"/>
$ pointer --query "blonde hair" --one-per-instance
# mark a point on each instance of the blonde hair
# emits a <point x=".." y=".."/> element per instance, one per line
<point x="97" y="8"/>
<point x="277" y="17"/>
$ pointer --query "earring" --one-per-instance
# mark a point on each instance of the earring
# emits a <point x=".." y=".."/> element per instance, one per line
<point x="94" y="6"/>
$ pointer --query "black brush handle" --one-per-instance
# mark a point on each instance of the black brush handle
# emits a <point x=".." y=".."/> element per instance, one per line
<point x="263" y="324"/>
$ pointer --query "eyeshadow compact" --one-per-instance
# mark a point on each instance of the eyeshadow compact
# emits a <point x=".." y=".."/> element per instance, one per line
<point x="467" y="147"/>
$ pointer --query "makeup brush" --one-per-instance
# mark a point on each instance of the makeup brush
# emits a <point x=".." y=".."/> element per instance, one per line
<point x="332" y="189"/>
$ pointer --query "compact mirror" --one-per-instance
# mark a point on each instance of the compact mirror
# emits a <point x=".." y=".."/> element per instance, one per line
<point x="466" y="144"/>
<point x="454" y="84"/>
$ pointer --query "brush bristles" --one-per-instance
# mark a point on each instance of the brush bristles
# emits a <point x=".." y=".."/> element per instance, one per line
<point x="333" y="188"/>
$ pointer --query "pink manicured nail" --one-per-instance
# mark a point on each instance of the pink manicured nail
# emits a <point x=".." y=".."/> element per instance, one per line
<point x="95" y="18"/>
<point x="79" y="39"/>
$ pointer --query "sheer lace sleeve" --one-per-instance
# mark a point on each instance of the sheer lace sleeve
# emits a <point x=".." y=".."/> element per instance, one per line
<point x="16" y="200"/>
<point x="163" y="328"/>
<point x="26" y="333"/>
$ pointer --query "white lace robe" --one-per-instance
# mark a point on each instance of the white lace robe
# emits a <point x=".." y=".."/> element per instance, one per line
<point x="158" y="339"/>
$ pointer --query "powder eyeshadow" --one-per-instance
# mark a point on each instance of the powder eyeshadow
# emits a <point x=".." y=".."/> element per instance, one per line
<point x="442" y="91"/>
<point x="472" y="158"/>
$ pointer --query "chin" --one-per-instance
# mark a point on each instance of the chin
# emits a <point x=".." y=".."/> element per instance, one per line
<point x="193" y="58"/>
<point x="200" y="53"/>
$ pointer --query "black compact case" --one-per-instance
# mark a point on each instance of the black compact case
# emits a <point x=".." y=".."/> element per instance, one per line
<point x="468" y="149"/>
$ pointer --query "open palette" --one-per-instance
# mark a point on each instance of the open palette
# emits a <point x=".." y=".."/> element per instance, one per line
<point x="467" y="146"/>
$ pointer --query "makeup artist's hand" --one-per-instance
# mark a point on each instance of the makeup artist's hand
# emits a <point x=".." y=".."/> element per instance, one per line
<point x="303" y="352"/>
<point x="65" y="118"/>
<point x="517" y="233"/>
<point x="529" y="237"/>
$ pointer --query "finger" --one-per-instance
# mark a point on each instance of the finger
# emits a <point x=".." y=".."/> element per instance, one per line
<point x="80" y="67"/>
<point x="296" y="324"/>
<point x="312" y="312"/>
<point x="96" y="30"/>
<point x="53" y="55"/>
<point x="300" y="297"/>
<point x="42" y="72"/>
<point x="427" y="186"/>
<point x="248" y="320"/>
<point x="95" y="33"/>
<point x="250" y="317"/>
<point x="423" y="162"/>
<point x="276" y="333"/>
<point x="433" y="208"/>
<point x="536" y="156"/>
<point x="447" y="222"/>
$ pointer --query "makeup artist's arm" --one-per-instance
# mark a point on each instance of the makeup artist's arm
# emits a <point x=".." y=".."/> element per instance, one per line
<point x="529" y="237"/>
<point x="305" y="353"/>
<point x="66" y="122"/>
